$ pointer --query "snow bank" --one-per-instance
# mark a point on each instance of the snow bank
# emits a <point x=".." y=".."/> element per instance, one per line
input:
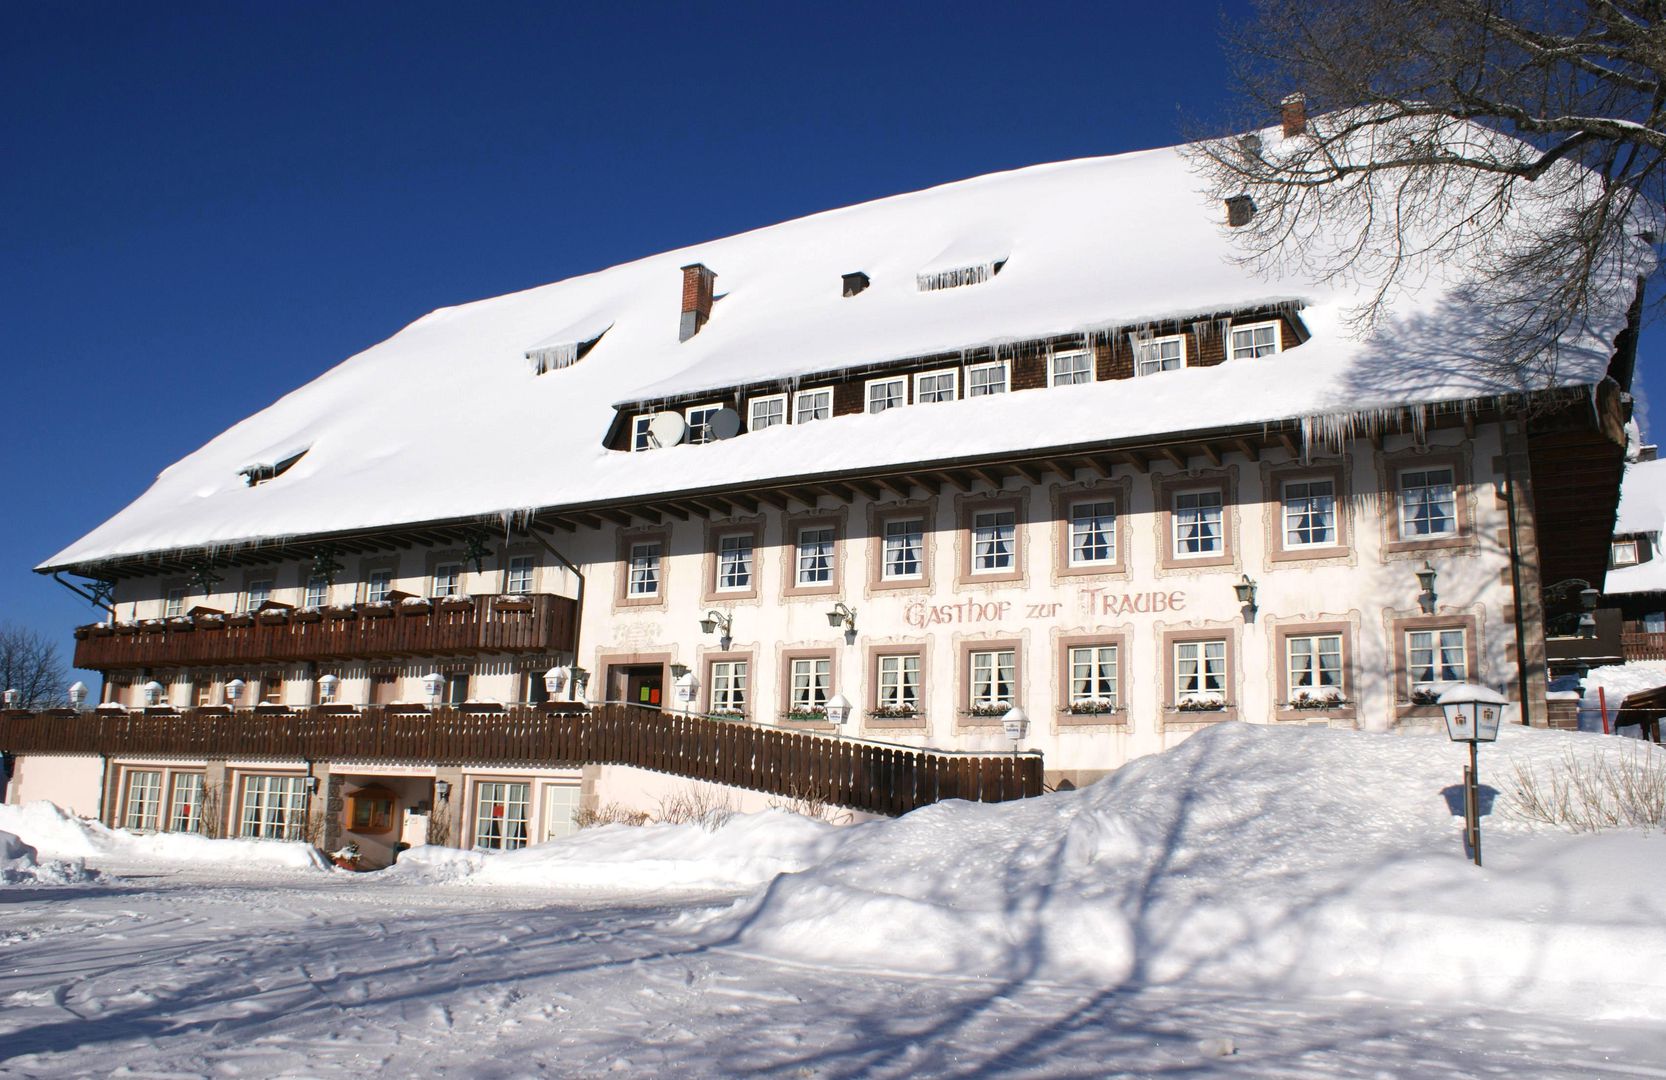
<point x="1286" y="860"/>
<point x="742" y="853"/>
<point x="1617" y="681"/>
<point x="52" y="830"/>
<point x="20" y="865"/>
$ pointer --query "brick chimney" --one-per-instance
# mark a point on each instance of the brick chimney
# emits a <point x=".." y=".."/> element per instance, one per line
<point x="1293" y="112"/>
<point x="697" y="299"/>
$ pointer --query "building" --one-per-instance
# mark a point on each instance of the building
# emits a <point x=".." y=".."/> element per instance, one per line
<point x="1030" y="439"/>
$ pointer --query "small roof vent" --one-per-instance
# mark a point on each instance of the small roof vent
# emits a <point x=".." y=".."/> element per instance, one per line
<point x="565" y="349"/>
<point x="1239" y="210"/>
<point x="261" y="471"/>
<point x="855" y="282"/>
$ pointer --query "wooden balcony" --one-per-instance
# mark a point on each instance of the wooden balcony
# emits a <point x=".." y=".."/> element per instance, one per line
<point x="861" y="775"/>
<point x="480" y="624"/>
<point x="1639" y="644"/>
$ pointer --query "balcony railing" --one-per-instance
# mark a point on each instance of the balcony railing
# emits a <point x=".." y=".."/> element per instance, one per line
<point x="541" y="623"/>
<point x="861" y="775"/>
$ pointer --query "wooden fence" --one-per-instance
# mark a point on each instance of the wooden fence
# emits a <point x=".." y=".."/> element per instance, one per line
<point x="877" y="778"/>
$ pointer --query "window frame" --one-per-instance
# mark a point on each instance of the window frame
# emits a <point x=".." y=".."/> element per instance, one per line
<point x="1166" y="489"/>
<point x="628" y="541"/>
<point x="369" y="579"/>
<point x="1170" y="712"/>
<point x="985" y="365"/>
<point x="480" y="787"/>
<point x="966" y="697"/>
<point x="1276" y="480"/>
<point x="716" y="533"/>
<point x="710" y="408"/>
<point x="1114" y="557"/>
<point x="1219" y="537"/>
<point x="1614" y="550"/>
<point x="1071" y="354"/>
<point x="967" y="511"/>
<point x="1394" y="466"/>
<point x="767" y="399"/>
<point x="1282" y="676"/>
<point x="1151" y="343"/>
<point x="173" y="601"/>
<point x="952" y="374"/>
<point x="510" y="573"/>
<point x="280" y="814"/>
<point x="710" y="691"/>
<point x="868" y="393"/>
<point x="435" y="574"/>
<point x="880" y="519"/>
<point x="792" y="531"/>
<point x="640" y="438"/>
<point x="1402" y="629"/>
<point x="249" y="602"/>
<point x="151" y="811"/>
<point x="798" y="404"/>
<point x="1277" y="326"/>
<point x="315" y="592"/>
<point x="789" y="661"/>
<point x="1066" y="647"/>
<point x="877" y="655"/>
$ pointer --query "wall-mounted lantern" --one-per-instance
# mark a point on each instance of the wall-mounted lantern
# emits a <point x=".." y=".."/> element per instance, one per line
<point x="327" y="687"/>
<point x="716" y="620"/>
<point x="1472" y="715"/>
<point x="1245" y="591"/>
<point x="442" y="790"/>
<point x="153" y="693"/>
<point x="13" y="698"/>
<point x="843" y="615"/>
<point x="1426" y="583"/>
<point x="581" y="679"/>
<point x="312" y="785"/>
<point x="77" y="695"/>
<point x="434" y="684"/>
<point x="556" y="680"/>
<point x="678" y="671"/>
<point x="234" y="691"/>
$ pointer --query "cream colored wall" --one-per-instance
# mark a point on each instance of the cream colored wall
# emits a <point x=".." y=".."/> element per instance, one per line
<point x="650" y="792"/>
<point x="74" y="783"/>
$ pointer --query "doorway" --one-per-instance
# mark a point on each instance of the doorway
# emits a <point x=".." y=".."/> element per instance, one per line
<point x="637" y="684"/>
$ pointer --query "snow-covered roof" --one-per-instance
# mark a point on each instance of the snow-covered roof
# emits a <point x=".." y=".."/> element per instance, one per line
<point x="1089" y="244"/>
<point x="1642" y="510"/>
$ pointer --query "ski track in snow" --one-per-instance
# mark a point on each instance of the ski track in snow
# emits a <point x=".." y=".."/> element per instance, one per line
<point x="205" y="974"/>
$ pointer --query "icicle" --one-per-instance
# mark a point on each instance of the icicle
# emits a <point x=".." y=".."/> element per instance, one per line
<point x="955" y="278"/>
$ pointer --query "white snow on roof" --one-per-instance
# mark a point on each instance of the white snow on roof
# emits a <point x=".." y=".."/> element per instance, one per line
<point x="1642" y="510"/>
<point x="1094" y="243"/>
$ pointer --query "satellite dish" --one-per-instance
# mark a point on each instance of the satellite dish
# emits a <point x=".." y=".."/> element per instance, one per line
<point x="724" y="424"/>
<point x="667" y="428"/>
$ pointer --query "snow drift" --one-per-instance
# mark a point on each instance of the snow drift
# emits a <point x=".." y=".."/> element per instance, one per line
<point x="51" y="830"/>
<point x="20" y="864"/>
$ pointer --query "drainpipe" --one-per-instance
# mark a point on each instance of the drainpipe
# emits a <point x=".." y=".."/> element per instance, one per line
<point x="578" y="604"/>
<point x="1515" y="579"/>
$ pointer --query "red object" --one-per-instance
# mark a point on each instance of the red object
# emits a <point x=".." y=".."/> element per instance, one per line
<point x="497" y="811"/>
<point x="1602" y="703"/>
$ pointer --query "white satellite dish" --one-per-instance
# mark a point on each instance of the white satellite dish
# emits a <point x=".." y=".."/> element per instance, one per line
<point x="724" y="424"/>
<point x="667" y="428"/>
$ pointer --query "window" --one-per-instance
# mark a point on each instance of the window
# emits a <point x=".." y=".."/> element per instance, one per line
<point x="904" y="541"/>
<point x="259" y="591"/>
<point x="887" y="394"/>
<point x="897" y="690"/>
<point x="1070" y="369"/>
<point x="274" y="807"/>
<point x="1428" y="503"/>
<point x="185" y="813"/>
<point x="812" y="680"/>
<point x="934" y="386"/>
<point x="517" y="581"/>
<point x="500" y="815"/>
<point x="1249" y="342"/>
<point x="644" y="570"/>
<point x="1161" y="354"/>
<point x="318" y="591"/>
<point x="1093" y="677"/>
<point x="811" y="405"/>
<point x="561" y="808"/>
<point x="1624" y="553"/>
<point x="700" y="423"/>
<point x="1309" y="513"/>
<point x="988" y="378"/>
<point x="1313" y="665"/>
<point x="994" y="534"/>
<point x="815" y="556"/>
<point x="993" y="677"/>
<point x="456" y="687"/>
<point x="1197" y="524"/>
<point x="448" y="579"/>
<point x="641" y="437"/>
<point x="766" y="412"/>
<point x="144" y="801"/>
<point x="1199" y="671"/>
<point x="1437" y="656"/>
<point x="1093" y="533"/>
<point x="174" y="606"/>
<point x="728" y="680"/>
<point x="377" y="585"/>
<point x="734" y="562"/>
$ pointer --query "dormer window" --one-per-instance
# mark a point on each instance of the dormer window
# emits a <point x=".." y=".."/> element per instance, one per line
<point x="766" y="412"/>
<point x="1259" y="339"/>
<point x="983" y="379"/>
<point x="1070" y="368"/>
<point x="640" y="438"/>
<point x="811" y="405"/>
<point x="700" y="423"/>
<point x="886" y="394"/>
<point x="1623" y="553"/>
<point x="1160" y="354"/>
<point x="935" y="386"/>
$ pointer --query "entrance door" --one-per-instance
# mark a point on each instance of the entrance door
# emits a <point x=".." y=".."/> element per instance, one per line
<point x="637" y="684"/>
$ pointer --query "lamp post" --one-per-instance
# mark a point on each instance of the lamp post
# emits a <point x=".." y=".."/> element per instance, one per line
<point x="555" y="681"/>
<point x="1014" y="722"/>
<point x="838" y="712"/>
<point x="1472" y="716"/>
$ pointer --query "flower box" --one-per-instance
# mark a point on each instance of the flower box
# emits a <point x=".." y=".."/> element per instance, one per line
<point x="415" y="605"/>
<point x="1090" y="708"/>
<point x="806" y="715"/>
<point x="81" y="633"/>
<point x="989" y="711"/>
<point x="341" y="613"/>
<point x="308" y="615"/>
<point x="127" y="628"/>
<point x="273" y="616"/>
<point x="241" y="618"/>
<point x="894" y="712"/>
<point x="378" y="611"/>
<point x="735" y="715"/>
<point x="1424" y="695"/>
<point x="1306" y="701"/>
<point x="213" y="710"/>
<point x="211" y="622"/>
<point x="1201" y="704"/>
<point x="512" y="603"/>
<point x="101" y="630"/>
<point x="152" y="626"/>
<point x="456" y="603"/>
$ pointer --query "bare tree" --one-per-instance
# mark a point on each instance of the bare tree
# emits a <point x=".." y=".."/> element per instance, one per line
<point x="29" y="664"/>
<point x="1521" y="141"/>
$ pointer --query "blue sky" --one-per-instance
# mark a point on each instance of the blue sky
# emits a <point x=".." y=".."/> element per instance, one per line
<point x="208" y="205"/>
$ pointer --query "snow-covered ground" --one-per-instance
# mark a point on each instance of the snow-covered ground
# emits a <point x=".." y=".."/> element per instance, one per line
<point x="1257" y="902"/>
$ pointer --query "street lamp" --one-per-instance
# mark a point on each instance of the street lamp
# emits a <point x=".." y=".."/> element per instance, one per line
<point x="838" y="711"/>
<point x="843" y="615"/>
<point x="716" y="620"/>
<point x="1472" y="716"/>
<point x="1013" y="723"/>
<point x="1426" y="582"/>
<point x="555" y="681"/>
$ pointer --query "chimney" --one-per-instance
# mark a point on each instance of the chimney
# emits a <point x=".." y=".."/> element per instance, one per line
<point x="697" y="299"/>
<point x="854" y="282"/>
<point x="1239" y="210"/>
<point x="1293" y="112"/>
